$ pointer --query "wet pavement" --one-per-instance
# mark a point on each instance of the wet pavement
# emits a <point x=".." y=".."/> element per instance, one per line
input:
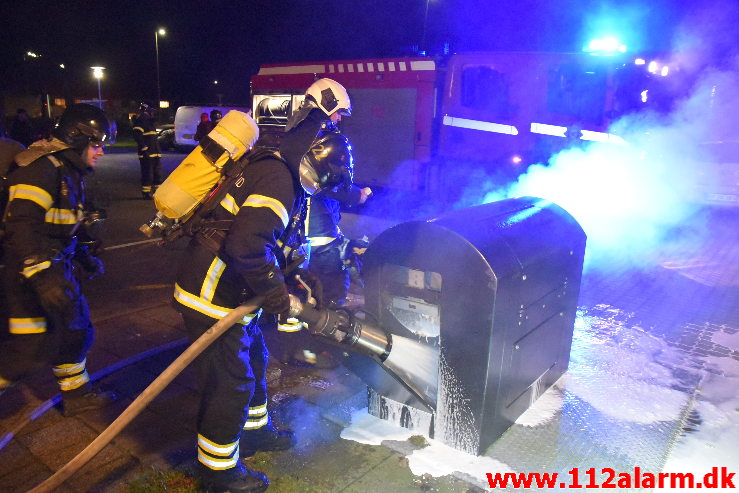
<point x="652" y="382"/>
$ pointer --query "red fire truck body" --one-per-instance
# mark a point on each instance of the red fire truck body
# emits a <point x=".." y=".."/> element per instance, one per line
<point x="414" y="118"/>
<point x="416" y="122"/>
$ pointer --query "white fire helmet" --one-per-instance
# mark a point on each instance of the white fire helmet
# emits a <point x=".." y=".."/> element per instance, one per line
<point x="327" y="95"/>
<point x="330" y="96"/>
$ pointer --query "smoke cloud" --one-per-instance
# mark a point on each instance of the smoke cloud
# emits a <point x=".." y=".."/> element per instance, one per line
<point x="645" y="197"/>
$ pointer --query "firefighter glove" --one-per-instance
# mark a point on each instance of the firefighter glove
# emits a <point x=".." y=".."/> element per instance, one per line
<point x="309" y="280"/>
<point x="55" y="293"/>
<point x="92" y="265"/>
<point x="268" y="281"/>
<point x="277" y="301"/>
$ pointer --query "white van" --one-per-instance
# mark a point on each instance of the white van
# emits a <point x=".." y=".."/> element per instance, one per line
<point x="187" y="118"/>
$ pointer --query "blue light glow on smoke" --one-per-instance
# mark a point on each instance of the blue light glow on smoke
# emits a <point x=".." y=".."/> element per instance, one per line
<point x="631" y="199"/>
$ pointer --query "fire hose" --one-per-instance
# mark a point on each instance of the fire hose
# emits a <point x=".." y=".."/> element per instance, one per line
<point x="148" y="395"/>
<point x="337" y="325"/>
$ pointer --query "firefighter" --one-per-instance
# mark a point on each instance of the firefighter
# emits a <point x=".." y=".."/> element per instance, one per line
<point x="145" y="133"/>
<point x="49" y="320"/>
<point x="326" y="239"/>
<point x="238" y="254"/>
<point x="326" y="101"/>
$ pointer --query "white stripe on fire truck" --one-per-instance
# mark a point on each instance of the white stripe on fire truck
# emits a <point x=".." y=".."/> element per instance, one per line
<point x="498" y="128"/>
<point x="544" y="129"/>
<point x="360" y="67"/>
<point x="560" y="131"/>
<point x="602" y="137"/>
<point x="423" y="65"/>
<point x="293" y="69"/>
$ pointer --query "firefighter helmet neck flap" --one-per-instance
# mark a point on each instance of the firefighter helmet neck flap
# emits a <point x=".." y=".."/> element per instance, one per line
<point x="84" y="124"/>
<point x="327" y="164"/>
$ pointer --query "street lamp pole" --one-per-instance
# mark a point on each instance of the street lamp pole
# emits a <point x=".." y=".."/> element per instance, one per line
<point x="425" y="19"/>
<point x="97" y="72"/>
<point x="158" y="32"/>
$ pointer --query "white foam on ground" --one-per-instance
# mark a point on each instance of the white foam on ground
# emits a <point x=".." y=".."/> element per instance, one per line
<point x="435" y="460"/>
<point x="714" y="443"/>
<point x="544" y="409"/>
<point x="617" y="369"/>
<point x="441" y="460"/>
<point x="626" y="399"/>
<point x="371" y="430"/>
<point x="726" y="339"/>
<point x="614" y="346"/>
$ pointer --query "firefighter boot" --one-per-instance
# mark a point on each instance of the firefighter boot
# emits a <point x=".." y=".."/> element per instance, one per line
<point x="84" y="399"/>
<point x="237" y="479"/>
<point x="267" y="438"/>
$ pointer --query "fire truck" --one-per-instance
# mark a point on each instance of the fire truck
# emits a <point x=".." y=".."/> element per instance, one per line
<point x="428" y="124"/>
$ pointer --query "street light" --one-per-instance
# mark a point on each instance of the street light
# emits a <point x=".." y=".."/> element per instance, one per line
<point x="97" y="72"/>
<point x="157" y="33"/>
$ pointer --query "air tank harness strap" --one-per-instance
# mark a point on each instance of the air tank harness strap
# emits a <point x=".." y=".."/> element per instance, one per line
<point x="212" y="234"/>
<point x="213" y="151"/>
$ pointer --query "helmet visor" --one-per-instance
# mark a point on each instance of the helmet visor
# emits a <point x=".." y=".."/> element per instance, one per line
<point x="308" y="177"/>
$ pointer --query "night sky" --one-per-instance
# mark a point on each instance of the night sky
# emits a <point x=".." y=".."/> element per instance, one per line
<point x="227" y="41"/>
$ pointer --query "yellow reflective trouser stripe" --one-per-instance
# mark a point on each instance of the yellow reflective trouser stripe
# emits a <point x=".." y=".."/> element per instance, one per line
<point x="71" y="383"/>
<point x="290" y="325"/>
<point x="211" y="279"/>
<point x="31" y="270"/>
<point x="203" y="306"/>
<point x="257" y="417"/>
<point x="272" y="204"/>
<point x="62" y="216"/>
<point x="35" y="325"/>
<point x="229" y="204"/>
<point x="217" y="456"/>
<point x="258" y="410"/>
<point x="255" y="423"/>
<point x="70" y="369"/>
<point x="320" y="240"/>
<point x="71" y="376"/>
<point x="150" y="132"/>
<point x="140" y="129"/>
<point x="217" y="464"/>
<point x="216" y="449"/>
<point x="155" y="155"/>
<point x="29" y="192"/>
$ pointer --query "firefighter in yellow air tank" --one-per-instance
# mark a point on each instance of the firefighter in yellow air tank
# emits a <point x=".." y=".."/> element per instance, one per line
<point x="238" y="254"/>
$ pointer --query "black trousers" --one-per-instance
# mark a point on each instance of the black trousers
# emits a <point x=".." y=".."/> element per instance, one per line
<point x="325" y="262"/>
<point x="232" y="375"/>
<point x="62" y="343"/>
<point x="151" y="173"/>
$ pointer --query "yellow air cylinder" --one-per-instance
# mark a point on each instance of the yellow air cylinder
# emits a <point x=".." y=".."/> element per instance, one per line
<point x="191" y="181"/>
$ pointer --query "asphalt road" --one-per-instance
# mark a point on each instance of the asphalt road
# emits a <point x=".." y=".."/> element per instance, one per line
<point x="116" y="187"/>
